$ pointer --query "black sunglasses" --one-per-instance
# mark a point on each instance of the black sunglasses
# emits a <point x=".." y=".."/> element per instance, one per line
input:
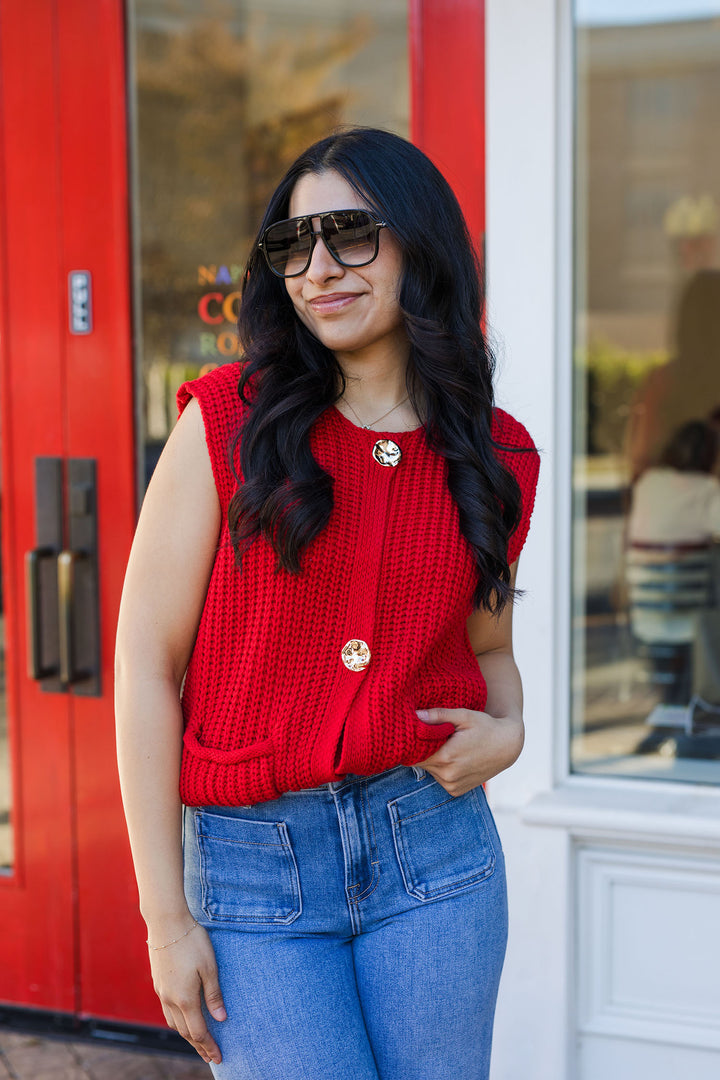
<point x="351" y="237"/>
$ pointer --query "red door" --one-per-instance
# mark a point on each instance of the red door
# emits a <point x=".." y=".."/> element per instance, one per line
<point x="71" y="938"/>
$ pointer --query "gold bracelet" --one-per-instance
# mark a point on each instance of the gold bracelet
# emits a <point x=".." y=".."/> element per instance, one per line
<point x="155" y="948"/>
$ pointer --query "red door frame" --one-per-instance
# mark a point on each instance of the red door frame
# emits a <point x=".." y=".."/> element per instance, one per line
<point x="70" y="934"/>
<point x="447" y="78"/>
<point x="99" y="384"/>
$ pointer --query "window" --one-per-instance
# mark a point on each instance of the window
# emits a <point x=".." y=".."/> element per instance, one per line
<point x="646" y="487"/>
<point x="226" y="95"/>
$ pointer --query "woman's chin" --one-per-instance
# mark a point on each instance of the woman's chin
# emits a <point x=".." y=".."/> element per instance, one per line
<point x="339" y="342"/>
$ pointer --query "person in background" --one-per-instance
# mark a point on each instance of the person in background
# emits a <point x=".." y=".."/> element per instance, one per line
<point x="677" y="501"/>
<point x="688" y="386"/>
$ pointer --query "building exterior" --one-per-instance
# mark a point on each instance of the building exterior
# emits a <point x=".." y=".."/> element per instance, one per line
<point x="602" y="184"/>
<point x="139" y="142"/>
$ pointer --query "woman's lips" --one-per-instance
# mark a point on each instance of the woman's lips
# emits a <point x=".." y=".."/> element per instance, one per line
<point x="328" y="305"/>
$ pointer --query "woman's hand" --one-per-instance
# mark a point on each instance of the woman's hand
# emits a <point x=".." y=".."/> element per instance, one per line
<point x="182" y="974"/>
<point x="480" y="747"/>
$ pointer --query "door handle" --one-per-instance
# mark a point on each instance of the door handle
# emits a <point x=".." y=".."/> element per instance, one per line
<point x="43" y="660"/>
<point x="77" y="578"/>
<point x="33" y="562"/>
<point x="63" y="620"/>
<point x="66" y="574"/>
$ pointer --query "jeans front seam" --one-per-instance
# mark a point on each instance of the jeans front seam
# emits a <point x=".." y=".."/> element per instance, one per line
<point x="347" y="854"/>
<point x="371" y="887"/>
<point x="367" y="815"/>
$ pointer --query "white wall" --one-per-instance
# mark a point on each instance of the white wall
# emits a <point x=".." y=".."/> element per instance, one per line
<point x="522" y="238"/>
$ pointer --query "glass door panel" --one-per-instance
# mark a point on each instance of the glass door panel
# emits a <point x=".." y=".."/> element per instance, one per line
<point x="225" y="97"/>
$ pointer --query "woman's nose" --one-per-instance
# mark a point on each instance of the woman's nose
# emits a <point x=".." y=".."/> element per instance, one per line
<point x="322" y="265"/>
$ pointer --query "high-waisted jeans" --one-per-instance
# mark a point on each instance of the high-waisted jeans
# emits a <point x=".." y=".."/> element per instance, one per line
<point x="359" y="929"/>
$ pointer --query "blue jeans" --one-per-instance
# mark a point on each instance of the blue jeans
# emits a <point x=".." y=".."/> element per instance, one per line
<point x="359" y="929"/>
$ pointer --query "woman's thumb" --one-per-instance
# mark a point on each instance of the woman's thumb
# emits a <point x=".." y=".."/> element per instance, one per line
<point x="430" y="716"/>
<point x="213" y="997"/>
<point x="449" y="717"/>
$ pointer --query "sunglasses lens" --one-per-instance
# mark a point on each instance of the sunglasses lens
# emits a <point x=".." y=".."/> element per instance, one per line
<point x="287" y="247"/>
<point x="351" y="236"/>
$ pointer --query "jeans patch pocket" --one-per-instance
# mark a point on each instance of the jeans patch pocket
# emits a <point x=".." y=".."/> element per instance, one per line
<point x="443" y="843"/>
<point x="248" y="871"/>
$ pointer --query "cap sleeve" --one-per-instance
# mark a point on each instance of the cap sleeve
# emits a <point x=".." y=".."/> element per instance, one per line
<point x="523" y="460"/>
<point x="222" y="413"/>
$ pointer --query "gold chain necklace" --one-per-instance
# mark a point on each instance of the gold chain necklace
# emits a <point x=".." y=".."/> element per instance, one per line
<point x="372" y="422"/>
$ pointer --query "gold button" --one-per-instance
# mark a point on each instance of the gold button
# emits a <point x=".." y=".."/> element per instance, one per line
<point x="356" y="654"/>
<point x="387" y="452"/>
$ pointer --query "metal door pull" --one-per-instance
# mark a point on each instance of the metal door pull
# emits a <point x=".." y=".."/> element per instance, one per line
<point x="62" y="580"/>
<point x="33" y="561"/>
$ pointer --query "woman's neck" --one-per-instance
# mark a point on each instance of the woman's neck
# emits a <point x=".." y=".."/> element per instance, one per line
<point x="375" y="384"/>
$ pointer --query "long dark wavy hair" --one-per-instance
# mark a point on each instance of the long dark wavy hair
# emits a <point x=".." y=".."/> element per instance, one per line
<point x="289" y="378"/>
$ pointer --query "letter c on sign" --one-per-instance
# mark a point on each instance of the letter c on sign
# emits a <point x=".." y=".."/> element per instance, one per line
<point x="203" y="307"/>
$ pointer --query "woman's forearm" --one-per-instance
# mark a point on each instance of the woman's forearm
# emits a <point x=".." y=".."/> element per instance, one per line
<point x="149" y="741"/>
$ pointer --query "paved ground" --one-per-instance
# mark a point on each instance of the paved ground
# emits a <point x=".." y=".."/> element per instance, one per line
<point x="32" y="1057"/>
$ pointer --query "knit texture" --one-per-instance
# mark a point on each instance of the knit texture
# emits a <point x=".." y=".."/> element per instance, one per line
<point x="269" y="706"/>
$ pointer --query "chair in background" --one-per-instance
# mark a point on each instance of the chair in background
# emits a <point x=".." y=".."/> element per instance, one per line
<point x="669" y="587"/>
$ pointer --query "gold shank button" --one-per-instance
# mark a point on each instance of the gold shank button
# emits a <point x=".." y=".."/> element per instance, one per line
<point x="387" y="452"/>
<point x="355" y="654"/>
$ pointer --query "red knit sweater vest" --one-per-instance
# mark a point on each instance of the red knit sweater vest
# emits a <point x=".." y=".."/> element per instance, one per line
<point x="296" y="680"/>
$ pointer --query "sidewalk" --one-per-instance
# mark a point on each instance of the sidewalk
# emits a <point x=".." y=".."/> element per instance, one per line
<point x="25" y="1056"/>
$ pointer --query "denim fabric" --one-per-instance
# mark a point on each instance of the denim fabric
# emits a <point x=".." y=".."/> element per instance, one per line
<point x="359" y="928"/>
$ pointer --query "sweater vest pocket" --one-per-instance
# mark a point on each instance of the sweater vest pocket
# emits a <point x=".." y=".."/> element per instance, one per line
<point x="226" y="757"/>
<point x="241" y="776"/>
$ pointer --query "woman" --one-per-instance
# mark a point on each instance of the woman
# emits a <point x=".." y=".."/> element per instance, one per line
<point x="329" y="546"/>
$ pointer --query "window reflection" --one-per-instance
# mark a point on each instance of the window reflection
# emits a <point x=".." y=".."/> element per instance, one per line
<point x="646" y="579"/>
<point x="227" y="93"/>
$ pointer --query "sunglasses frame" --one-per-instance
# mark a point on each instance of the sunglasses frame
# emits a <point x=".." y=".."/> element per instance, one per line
<point x="314" y="236"/>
